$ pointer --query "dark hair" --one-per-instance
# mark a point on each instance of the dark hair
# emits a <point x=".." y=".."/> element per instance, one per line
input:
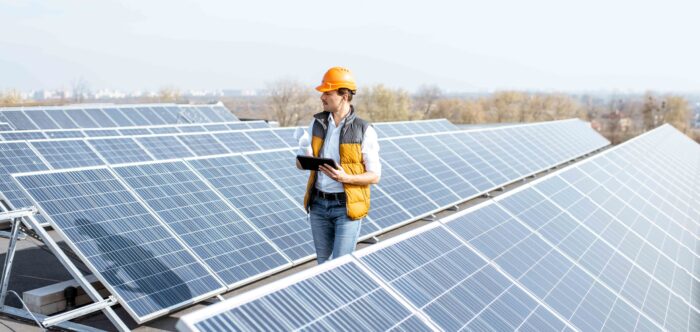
<point x="346" y="91"/>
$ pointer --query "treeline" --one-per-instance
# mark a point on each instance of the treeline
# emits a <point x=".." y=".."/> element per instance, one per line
<point x="618" y="118"/>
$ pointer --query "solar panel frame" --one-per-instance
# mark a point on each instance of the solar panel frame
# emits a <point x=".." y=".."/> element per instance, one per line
<point x="58" y="134"/>
<point x="139" y="318"/>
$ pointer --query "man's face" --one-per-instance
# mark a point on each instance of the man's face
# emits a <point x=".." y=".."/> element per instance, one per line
<point x="332" y="101"/>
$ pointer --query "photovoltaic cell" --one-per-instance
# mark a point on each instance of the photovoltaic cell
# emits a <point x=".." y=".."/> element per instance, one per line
<point x="236" y="142"/>
<point x="134" y="131"/>
<point x="132" y="253"/>
<point x="456" y="288"/>
<point x="165" y="147"/>
<point x="82" y="119"/>
<point x="258" y="124"/>
<point x="17" y="157"/>
<point x="203" y="144"/>
<point x="22" y="135"/>
<point x="288" y="135"/>
<point x="59" y="117"/>
<point x="67" y="153"/>
<point x="41" y="119"/>
<point x="101" y="118"/>
<point x="203" y="220"/>
<point x="240" y="125"/>
<point x="401" y="162"/>
<point x="64" y="134"/>
<point x="280" y="166"/>
<point x="150" y="115"/>
<point x="408" y="196"/>
<point x="192" y="129"/>
<point x="118" y="117"/>
<point x="384" y="212"/>
<point x="101" y="133"/>
<point x="277" y="216"/>
<point x="19" y="120"/>
<point x="165" y="130"/>
<point x="267" y="139"/>
<point x="314" y="304"/>
<point x="215" y="127"/>
<point x="135" y="116"/>
<point x="120" y="150"/>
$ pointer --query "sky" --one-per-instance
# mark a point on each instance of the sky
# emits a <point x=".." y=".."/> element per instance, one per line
<point x="460" y="46"/>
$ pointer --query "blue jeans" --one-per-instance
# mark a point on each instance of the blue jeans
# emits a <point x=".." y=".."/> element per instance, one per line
<point x="334" y="233"/>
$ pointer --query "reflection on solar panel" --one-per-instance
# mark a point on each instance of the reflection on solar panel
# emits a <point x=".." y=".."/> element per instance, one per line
<point x="313" y="303"/>
<point x="65" y="134"/>
<point x="119" y="150"/>
<point x="165" y="147"/>
<point x="67" y="153"/>
<point x="203" y="220"/>
<point x="131" y="252"/>
<point x="257" y="198"/>
<point x="258" y="125"/>
<point x="203" y="144"/>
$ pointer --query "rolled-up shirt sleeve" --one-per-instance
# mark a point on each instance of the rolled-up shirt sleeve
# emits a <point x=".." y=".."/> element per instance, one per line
<point x="370" y="151"/>
<point x="305" y="142"/>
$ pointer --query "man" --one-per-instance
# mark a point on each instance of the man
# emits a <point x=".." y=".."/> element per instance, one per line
<point x="338" y="199"/>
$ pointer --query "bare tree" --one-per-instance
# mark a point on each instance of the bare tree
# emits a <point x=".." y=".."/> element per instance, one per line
<point x="426" y="98"/>
<point x="289" y="101"/>
<point x="80" y="89"/>
<point x="168" y="94"/>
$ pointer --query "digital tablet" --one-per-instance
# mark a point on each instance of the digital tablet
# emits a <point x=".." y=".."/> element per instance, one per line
<point x="313" y="163"/>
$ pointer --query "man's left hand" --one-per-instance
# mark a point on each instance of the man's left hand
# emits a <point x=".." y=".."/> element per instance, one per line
<point x="335" y="174"/>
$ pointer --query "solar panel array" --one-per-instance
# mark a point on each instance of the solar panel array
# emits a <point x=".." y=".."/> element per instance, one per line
<point x="610" y="243"/>
<point x="111" y="116"/>
<point x="17" y="135"/>
<point x="248" y="204"/>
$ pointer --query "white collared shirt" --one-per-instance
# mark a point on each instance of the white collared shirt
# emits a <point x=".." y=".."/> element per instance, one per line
<point x="331" y="149"/>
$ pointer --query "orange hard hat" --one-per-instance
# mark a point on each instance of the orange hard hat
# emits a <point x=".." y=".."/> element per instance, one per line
<point x="336" y="78"/>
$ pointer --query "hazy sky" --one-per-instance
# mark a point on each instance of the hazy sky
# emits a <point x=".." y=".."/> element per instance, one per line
<point x="458" y="45"/>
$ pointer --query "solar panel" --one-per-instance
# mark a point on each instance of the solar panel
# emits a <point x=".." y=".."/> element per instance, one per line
<point x="447" y="175"/>
<point x="119" y="150"/>
<point x="22" y="135"/>
<point x="215" y="127"/>
<point x="289" y="135"/>
<point x="455" y="287"/>
<point x="392" y="155"/>
<point x="150" y="115"/>
<point x="276" y="215"/>
<point x="522" y="153"/>
<point x="384" y="211"/>
<point x="194" y="115"/>
<point x="19" y="120"/>
<point x="101" y="118"/>
<point x="166" y="113"/>
<point x="203" y="144"/>
<point x="403" y="192"/>
<point x="82" y="119"/>
<point x="481" y="159"/>
<point x="165" y="147"/>
<point x="17" y="157"/>
<point x="192" y="129"/>
<point x="266" y="139"/>
<point x="134" y="131"/>
<point x="41" y="119"/>
<point x="456" y="162"/>
<point x="499" y="153"/>
<point x="224" y="114"/>
<point x="236" y="142"/>
<point x="118" y="117"/>
<point x="101" y="132"/>
<point x="280" y="166"/>
<point x="67" y="153"/>
<point x="127" y="248"/>
<point x="231" y="247"/>
<point x="240" y="125"/>
<point x="135" y="116"/>
<point x="165" y="130"/>
<point x="61" y="118"/>
<point x="313" y="303"/>
<point x="65" y="134"/>
<point x="5" y="127"/>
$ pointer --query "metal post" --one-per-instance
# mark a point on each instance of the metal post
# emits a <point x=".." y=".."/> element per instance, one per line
<point x="7" y="268"/>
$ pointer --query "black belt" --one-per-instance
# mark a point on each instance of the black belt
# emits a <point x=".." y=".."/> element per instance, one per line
<point x="330" y="196"/>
